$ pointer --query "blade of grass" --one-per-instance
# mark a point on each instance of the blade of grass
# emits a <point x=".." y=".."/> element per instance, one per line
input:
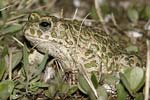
<point x="42" y="65"/>
<point x="10" y="64"/>
<point x="26" y="63"/>
<point x="147" y="83"/>
<point x="3" y="67"/>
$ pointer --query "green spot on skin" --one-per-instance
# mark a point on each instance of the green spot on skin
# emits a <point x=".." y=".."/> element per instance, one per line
<point x="126" y="59"/>
<point x="91" y="64"/>
<point x="34" y="17"/>
<point x="103" y="49"/>
<point x="54" y="35"/>
<point x="62" y="34"/>
<point x="39" y="33"/>
<point x="137" y="64"/>
<point x="32" y="31"/>
<point x="97" y="37"/>
<point x="85" y="36"/>
<point x="94" y="47"/>
<point x="104" y="41"/>
<point x="70" y="42"/>
<point x="131" y="61"/>
<point x="88" y="52"/>
<point x="46" y="36"/>
<point x="109" y="55"/>
<point x="116" y="58"/>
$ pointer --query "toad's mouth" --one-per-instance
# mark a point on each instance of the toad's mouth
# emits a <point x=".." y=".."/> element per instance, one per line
<point x="52" y="47"/>
<point x="34" y="38"/>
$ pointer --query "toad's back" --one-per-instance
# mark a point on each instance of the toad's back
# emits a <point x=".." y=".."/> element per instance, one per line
<point x="76" y="44"/>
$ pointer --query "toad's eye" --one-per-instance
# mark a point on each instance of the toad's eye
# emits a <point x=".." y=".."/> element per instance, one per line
<point x="45" y="25"/>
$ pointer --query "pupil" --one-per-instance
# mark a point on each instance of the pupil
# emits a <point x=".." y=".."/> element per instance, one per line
<point x="45" y="24"/>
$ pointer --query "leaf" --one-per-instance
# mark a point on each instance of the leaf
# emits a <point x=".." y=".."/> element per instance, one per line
<point x="109" y="79"/>
<point x="133" y="15"/>
<point x="93" y="13"/>
<point x="121" y="93"/>
<point x="16" y="59"/>
<point x="105" y="8"/>
<point x="25" y="56"/>
<point x="63" y="88"/>
<point x="140" y="96"/>
<point x="25" y="66"/>
<point x="136" y="79"/>
<point x="36" y="85"/>
<point x="5" y="51"/>
<point x="102" y="93"/>
<point x="52" y="89"/>
<point x="132" y="48"/>
<point x="42" y="65"/>
<point x="6" y="88"/>
<point x="3" y="67"/>
<point x="12" y="28"/>
<point x="133" y="79"/>
<point x="94" y="80"/>
<point x="25" y="60"/>
<point x="72" y="90"/>
<point x="84" y="86"/>
<point x="147" y="12"/>
<point x="126" y="83"/>
<point x="92" y="96"/>
<point x="40" y="84"/>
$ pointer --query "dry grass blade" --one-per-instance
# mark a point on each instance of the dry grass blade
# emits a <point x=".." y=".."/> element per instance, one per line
<point x="18" y="41"/>
<point x="147" y="83"/>
<point x="75" y="13"/>
<point x="81" y="68"/>
<point x="10" y="64"/>
<point x="10" y="67"/>
<point x="99" y="13"/>
<point x="26" y="63"/>
<point x="5" y="8"/>
<point x="79" y="32"/>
